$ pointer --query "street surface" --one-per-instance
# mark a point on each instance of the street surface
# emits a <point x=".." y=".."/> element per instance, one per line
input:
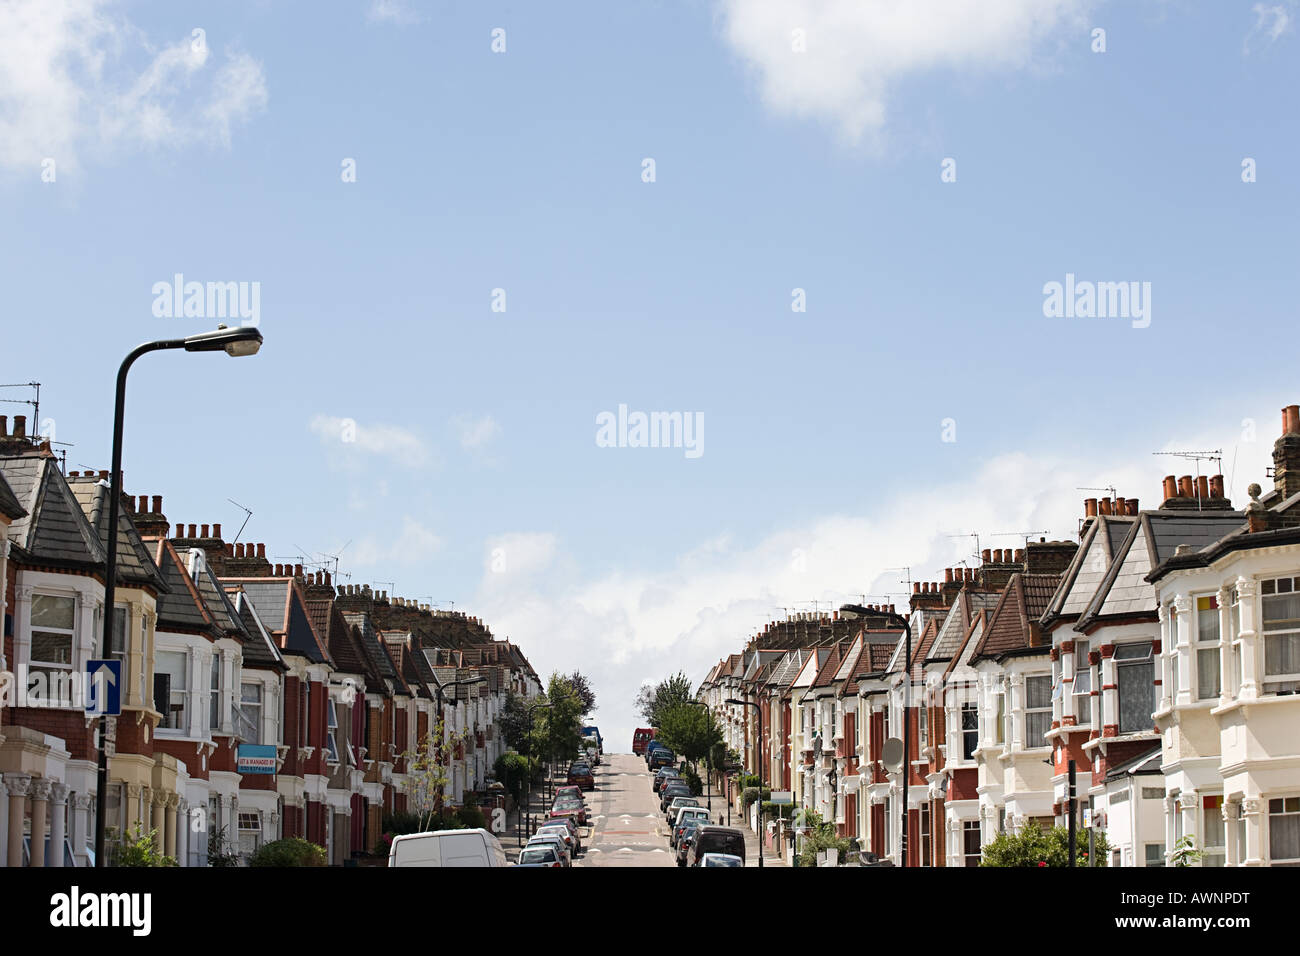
<point x="629" y="829"/>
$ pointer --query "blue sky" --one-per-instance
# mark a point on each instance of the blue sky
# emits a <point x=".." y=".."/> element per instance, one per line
<point x="823" y="463"/>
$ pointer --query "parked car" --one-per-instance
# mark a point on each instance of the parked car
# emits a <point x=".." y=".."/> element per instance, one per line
<point x="697" y="813"/>
<point x="566" y="829"/>
<point x="556" y="841"/>
<point x="713" y="839"/>
<point x="569" y="791"/>
<point x="447" y="848"/>
<point x="562" y="810"/>
<point x="661" y="776"/>
<point x="720" y="859"/>
<point x="640" y="737"/>
<point x="650" y="748"/>
<point x="685" y="825"/>
<point x="671" y="790"/>
<point x="541" y="855"/>
<point x="663" y="757"/>
<point x="677" y="803"/>
<point x="685" y="834"/>
<point x="580" y="775"/>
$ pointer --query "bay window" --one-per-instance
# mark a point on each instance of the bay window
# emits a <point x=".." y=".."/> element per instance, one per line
<point x="1135" y="677"/>
<point x="53" y="637"/>
<point x="970" y="731"/>
<point x="169" y="680"/>
<point x="248" y="716"/>
<point x="1038" y="710"/>
<point x="1081" y="689"/>
<point x="1284" y="831"/>
<point x="1207" y="648"/>
<point x="1281" y="614"/>
<point x="1213" y="836"/>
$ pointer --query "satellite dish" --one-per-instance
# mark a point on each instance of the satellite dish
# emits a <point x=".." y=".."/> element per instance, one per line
<point x="892" y="756"/>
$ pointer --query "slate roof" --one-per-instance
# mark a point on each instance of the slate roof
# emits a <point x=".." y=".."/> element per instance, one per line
<point x="788" y="669"/>
<point x="383" y="665"/>
<point x="956" y="625"/>
<point x="134" y="564"/>
<point x="180" y="607"/>
<point x="1087" y="568"/>
<point x="259" y="648"/>
<point x="9" y="505"/>
<point x="280" y="606"/>
<point x="1124" y="591"/>
<point x="54" y="531"/>
<point x="342" y="640"/>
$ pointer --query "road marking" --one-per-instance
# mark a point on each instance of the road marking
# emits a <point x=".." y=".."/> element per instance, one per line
<point x="626" y="849"/>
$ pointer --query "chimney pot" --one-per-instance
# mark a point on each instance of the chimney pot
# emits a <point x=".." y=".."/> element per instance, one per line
<point x="997" y="555"/>
<point x="143" y="506"/>
<point x="1020" y="555"/>
<point x="4" y="426"/>
<point x="297" y="570"/>
<point x="1133" y="506"/>
<point x="947" y="575"/>
<point x="1121" y="506"/>
<point x="103" y="474"/>
<point x="261" y="551"/>
<point x="1202" y="487"/>
<point x="1185" y="486"/>
<point x="986" y="555"/>
<point x="216" y="531"/>
<point x="916" y="587"/>
<point x="20" y="426"/>
<point x="1104" y="506"/>
<point x="1216" y="486"/>
<point x="1090" y="507"/>
<point x="327" y="578"/>
<point x="239" y="550"/>
<point x="157" y="504"/>
<point x="204" y="529"/>
<point x="1171" y="487"/>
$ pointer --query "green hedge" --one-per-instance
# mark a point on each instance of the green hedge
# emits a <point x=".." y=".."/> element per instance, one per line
<point x="294" y="851"/>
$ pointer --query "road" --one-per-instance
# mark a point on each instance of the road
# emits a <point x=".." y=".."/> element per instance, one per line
<point x="629" y="829"/>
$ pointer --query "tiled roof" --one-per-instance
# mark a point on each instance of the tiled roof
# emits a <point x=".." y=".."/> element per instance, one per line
<point x="9" y="505"/>
<point x="379" y="660"/>
<point x="54" y="530"/>
<point x="826" y="673"/>
<point x="280" y="606"/>
<point x="134" y="564"/>
<point x="342" y="640"/>
<point x="1022" y="603"/>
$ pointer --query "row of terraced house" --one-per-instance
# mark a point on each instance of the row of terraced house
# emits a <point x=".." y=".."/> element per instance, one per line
<point x="259" y="701"/>
<point x="1159" y="654"/>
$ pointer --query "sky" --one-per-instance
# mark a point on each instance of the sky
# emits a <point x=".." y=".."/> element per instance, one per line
<point x="822" y="232"/>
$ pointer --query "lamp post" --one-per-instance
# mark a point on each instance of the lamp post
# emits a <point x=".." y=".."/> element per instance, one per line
<point x="754" y="704"/>
<point x="237" y="342"/>
<point x="528" y="825"/>
<point x="907" y="726"/>
<point x="438" y="689"/>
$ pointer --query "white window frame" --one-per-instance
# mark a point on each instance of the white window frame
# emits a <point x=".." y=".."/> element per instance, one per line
<point x="1032" y="741"/>
<point x="1146" y="660"/>
<point x="241" y="720"/>
<point x="183" y="728"/>
<point x="1203" y="647"/>
<point x="1290" y="807"/>
<point x="1082" y="699"/>
<point x="1286" y="681"/>
<point x="48" y="667"/>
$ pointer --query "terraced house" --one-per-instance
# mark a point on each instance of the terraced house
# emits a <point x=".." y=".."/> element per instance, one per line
<point x="1159" y="656"/>
<point x="259" y="701"/>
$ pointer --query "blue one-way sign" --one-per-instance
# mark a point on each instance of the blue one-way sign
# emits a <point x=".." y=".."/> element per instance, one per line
<point x="103" y="688"/>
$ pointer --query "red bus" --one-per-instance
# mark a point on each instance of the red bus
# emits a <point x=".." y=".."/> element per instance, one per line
<point x="642" y="737"/>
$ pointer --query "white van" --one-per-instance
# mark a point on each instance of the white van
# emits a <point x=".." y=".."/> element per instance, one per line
<point x="447" y="848"/>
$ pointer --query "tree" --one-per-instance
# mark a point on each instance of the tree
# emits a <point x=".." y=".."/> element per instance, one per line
<point x="426" y="772"/>
<point x="644" y="702"/>
<point x="652" y="702"/>
<point x="1036" y="847"/>
<point x="688" y="730"/>
<point x="512" y="770"/>
<point x="560" y="725"/>
<point x="582" y="687"/>
<point x="514" y="720"/>
<point x="139" y="849"/>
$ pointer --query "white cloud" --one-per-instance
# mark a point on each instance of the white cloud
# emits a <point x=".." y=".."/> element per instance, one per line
<point x="476" y="432"/>
<point x="858" y="51"/>
<point x="392" y="11"/>
<point x="623" y="627"/>
<point x="1271" y="21"/>
<point x="410" y="544"/>
<point x="72" y="81"/>
<point x="353" y="440"/>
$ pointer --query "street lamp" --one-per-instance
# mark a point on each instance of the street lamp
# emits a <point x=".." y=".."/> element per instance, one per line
<point x="754" y="704"/>
<point x="907" y="727"/>
<point x="531" y="710"/>
<point x="438" y="688"/>
<point x="239" y="341"/>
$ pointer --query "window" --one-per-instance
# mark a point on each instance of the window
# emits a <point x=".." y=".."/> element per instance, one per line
<point x="248" y="718"/>
<point x="925" y="834"/>
<point x="1171" y="649"/>
<point x="331" y="741"/>
<point x="922" y="724"/>
<point x="1082" y="686"/>
<point x="53" y="626"/>
<point x="1234" y="622"/>
<point x="970" y="731"/>
<point x="169" y="689"/>
<point x="250" y="833"/>
<point x="1213" y="838"/>
<point x="1284" y="831"/>
<point x="1038" y="709"/>
<point x="971" y="842"/>
<point x="214" y="699"/>
<point x="1207" y="648"/>
<point x="1281" y="612"/>
<point x="1001" y="727"/>
<point x="1154" y="854"/>
<point x="1136" y="679"/>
